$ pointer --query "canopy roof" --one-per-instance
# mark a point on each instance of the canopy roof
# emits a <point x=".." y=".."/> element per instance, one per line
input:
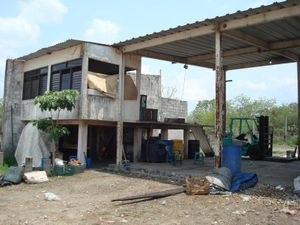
<point x="255" y="37"/>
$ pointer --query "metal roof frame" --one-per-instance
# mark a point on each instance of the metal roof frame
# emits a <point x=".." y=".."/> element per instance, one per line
<point x="254" y="37"/>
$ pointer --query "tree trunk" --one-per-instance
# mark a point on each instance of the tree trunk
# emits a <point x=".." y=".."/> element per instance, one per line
<point x="53" y="152"/>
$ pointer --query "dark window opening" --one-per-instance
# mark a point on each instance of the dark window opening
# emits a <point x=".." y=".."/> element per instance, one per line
<point x="104" y="67"/>
<point x="66" y="75"/>
<point x="35" y="83"/>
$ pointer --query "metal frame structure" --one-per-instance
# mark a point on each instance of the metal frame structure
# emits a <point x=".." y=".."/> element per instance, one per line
<point x="267" y="35"/>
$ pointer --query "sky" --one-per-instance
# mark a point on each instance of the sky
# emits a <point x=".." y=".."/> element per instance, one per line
<point x="28" y="25"/>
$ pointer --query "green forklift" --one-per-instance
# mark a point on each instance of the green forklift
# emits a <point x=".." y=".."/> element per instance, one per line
<point x="255" y="135"/>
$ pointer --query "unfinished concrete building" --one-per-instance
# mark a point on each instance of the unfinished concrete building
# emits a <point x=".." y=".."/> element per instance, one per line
<point x="264" y="36"/>
<point x="100" y="119"/>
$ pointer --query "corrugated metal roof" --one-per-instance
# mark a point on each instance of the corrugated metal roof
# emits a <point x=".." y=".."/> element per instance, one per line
<point x="197" y="24"/>
<point x="286" y="29"/>
<point x="200" y="50"/>
<point x="57" y="47"/>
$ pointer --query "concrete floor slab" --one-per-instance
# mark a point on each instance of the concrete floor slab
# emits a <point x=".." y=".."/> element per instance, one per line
<point x="273" y="173"/>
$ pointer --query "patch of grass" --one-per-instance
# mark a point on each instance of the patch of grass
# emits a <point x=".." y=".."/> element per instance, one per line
<point x="4" y="168"/>
<point x="10" y="160"/>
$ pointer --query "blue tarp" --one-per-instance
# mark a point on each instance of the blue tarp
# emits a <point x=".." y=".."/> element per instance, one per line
<point x="242" y="181"/>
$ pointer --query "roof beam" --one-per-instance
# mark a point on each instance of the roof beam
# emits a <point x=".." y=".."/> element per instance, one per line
<point x="186" y="34"/>
<point x="277" y="14"/>
<point x="255" y="64"/>
<point x="238" y="35"/>
<point x="174" y="59"/>
<point x="251" y="20"/>
<point x="275" y="46"/>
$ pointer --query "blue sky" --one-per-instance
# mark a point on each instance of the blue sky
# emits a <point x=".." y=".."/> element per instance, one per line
<point x="28" y="25"/>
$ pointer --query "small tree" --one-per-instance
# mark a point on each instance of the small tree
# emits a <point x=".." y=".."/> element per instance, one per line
<point x="54" y="102"/>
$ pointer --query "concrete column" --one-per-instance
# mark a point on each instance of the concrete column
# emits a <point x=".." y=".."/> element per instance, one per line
<point x="138" y="85"/>
<point x="298" y="86"/>
<point x="84" y="89"/>
<point x="121" y="111"/>
<point x="224" y="105"/>
<point x="137" y="144"/>
<point x="186" y="142"/>
<point x="49" y="78"/>
<point x="82" y="141"/>
<point x="149" y="132"/>
<point x="164" y="134"/>
<point x="12" y="102"/>
<point x="220" y="91"/>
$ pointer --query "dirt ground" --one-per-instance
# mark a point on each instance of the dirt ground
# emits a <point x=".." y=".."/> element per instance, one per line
<point x="85" y="199"/>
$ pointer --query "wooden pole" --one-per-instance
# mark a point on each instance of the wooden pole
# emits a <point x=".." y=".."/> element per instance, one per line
<point x="220" y="91"/>
<point x="298" y="87"/>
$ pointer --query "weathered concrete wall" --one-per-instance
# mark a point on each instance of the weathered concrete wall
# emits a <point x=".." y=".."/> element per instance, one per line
<point x="102" y="108"/>
<point x="13" y="88"/>
<point x="29" y="111"/>
<point x="173" y="108"/>
<point x="167" y="107"/>
<point x="150" y="86"/>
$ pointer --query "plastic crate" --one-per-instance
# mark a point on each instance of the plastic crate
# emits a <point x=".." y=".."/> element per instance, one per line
<point x="65" y="170"/>
<point x="76" y="168"/>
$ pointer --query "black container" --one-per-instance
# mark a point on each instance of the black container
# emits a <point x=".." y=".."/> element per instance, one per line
<point x="193" y="146"/>
<point x="156" y="153"/>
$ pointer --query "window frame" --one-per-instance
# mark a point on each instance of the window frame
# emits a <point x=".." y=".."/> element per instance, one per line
<point x="31" y="76"/>
<point x="70" y="67"/>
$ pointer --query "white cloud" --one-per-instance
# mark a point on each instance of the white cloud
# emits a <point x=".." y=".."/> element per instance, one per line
<point x="17" y="31"/>
<point x="40" y="11"/>
<point x="22" y="30"/>
<point x="102" y="31"/>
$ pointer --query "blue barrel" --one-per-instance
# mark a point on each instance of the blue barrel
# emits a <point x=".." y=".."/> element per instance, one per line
<point x="168" y="144"/>
<point x="231" y="158"/>
<point x="88" y="162"/>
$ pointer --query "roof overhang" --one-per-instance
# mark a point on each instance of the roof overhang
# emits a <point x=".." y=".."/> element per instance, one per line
<point x="267" y="35"/>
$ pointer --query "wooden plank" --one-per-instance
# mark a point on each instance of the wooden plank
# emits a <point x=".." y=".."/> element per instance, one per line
<point x="153" y="195"/>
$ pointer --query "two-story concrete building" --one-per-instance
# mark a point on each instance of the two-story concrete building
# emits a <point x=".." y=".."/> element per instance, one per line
<point x="100" y="123"/>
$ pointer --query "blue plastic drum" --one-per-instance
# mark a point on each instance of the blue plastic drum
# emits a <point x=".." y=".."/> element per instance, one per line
<point x="231" y="158"/>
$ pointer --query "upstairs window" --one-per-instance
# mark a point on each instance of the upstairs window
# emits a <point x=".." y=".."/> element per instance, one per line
<point x="35" y="83"/>
<point x="66" y="75"/>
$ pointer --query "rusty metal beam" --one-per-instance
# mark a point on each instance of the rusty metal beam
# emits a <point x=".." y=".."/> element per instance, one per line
<point x="171" y="58"/>
<point x="238" y="35"/>
<point x="275" y="46"/>
<point x="259" y="63"/>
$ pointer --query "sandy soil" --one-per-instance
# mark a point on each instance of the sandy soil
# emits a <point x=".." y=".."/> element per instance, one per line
<point x="85" y="199"/>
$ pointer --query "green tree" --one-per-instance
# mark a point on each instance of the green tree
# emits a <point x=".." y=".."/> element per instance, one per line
<point x="54" y="102"/>
<point x="244" y="106"/>
<point x="204" y="113"/>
